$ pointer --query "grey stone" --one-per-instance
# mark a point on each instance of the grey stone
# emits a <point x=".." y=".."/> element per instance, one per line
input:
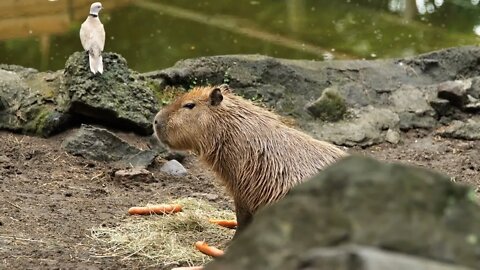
<point x="102" y="145"/>
<point x="115" y="97"/>
<point x="410" y="120"/>
<point x="392" y="136"/>
<point x="469" y="130"/>
<point x="353" y="257"/>
<point x="330" y="106"/>
<point x="46" y="103"/>
<point x="359" y="200"/>
<point x="174" y="168"/>
<point x="134" y="175"/>
<point x="455" y="91"/>
<point x="404" y="86"/>
<point x="368" y="127"/>
<point x="410" y="103"/>
<point x="442" y="107"/>
<point x="29" y="104"/>
<point x="156" y="145"/>
<point x="410" y="99"/>
<point x="474" y="91"/>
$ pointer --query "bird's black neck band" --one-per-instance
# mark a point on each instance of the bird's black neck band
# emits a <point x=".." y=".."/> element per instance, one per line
<point x="94" y="15"/>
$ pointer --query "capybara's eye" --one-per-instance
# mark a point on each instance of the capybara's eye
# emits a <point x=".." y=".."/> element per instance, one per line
<point x="189" y="105"/>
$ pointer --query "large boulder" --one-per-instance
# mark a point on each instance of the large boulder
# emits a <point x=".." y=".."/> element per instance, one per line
<point x="407" y="87"/>
<point x="359" y="200"/>
<point x="102" y="145"/>
<point x="354" y="257"/>
<point x="117" y="96"/>
<point x="45" y="103"/>
<point x="32" y="102"/>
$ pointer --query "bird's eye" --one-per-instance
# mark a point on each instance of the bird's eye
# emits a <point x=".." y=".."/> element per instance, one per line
<point x="189" y="105"/>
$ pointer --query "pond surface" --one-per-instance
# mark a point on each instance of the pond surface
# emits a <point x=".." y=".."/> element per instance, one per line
<point x="154" y="34"/>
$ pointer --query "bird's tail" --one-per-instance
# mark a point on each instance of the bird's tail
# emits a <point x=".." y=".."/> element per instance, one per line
<point x="96" y="61"/>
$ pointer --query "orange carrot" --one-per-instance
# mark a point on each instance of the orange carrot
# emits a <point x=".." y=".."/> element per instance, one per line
<point x="231" y="224"/>
<point x="208" y="250"/>
<point x="189" y="268"/>
<point x="155" y="209"/>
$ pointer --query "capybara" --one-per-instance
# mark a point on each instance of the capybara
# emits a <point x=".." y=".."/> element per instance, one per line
<point x="258" y="158"/>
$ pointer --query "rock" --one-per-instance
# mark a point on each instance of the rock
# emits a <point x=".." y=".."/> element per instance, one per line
<point x="404" y="86"/>
<point x="174" y="168"/>
<point x="455" y="91"/>
<point x="46" y="103"/>
<point x="155" y="145"/>
<point x="29" y="104"/>
<point x="353" y="257"/>
<point x="368" y="127"/>
<point x="102" y="145"/>
<point x="392" y="136"/>
<point x="390" y="206"/>
<point x="330" y="106"/>
<point x="115" y="97"/>
<point x="410" y="99"/>
<point x="469" y="130"/>
<point x="409" y="120"/>
<point x="134" y="175"/>
<point x="474" y="91"/>
<point x="473" y="104"/>
<point x="410" y="103"/>
<point x="442" y="107"/>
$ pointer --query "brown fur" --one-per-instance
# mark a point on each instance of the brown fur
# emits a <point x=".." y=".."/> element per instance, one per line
<point x="257" y="157"/>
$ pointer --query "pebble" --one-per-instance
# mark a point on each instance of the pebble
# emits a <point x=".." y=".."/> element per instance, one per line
<point x="174" y="168"/>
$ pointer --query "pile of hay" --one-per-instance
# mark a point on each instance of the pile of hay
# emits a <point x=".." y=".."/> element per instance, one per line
<point x="166" y="239"/>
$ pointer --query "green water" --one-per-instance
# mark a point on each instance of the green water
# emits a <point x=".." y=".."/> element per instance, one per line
<point x="154" y="34"/>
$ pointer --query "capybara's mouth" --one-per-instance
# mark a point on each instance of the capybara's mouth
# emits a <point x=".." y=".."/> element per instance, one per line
<point x="160" y="133"/>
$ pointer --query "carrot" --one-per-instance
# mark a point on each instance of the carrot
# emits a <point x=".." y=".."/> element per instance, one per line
<point x="155" y="209"/>
<point x="189" y="268"/>
<point x="208" y="250"/>
<point x="231" y="224"/>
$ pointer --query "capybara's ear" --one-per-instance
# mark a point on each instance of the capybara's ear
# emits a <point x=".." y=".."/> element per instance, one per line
<point x="216" y="96"/>
<point x="224" y="87"/>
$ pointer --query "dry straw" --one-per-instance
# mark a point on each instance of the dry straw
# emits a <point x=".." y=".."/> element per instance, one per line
<point x="166" y="240"/>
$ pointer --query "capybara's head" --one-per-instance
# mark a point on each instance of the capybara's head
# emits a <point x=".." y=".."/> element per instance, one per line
<point x="185" y="123"/>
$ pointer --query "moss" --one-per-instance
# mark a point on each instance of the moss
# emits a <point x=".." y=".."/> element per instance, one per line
<point x="38" y="123"/>
<point x="329" y="107"/>
<point x="165" y="95"/>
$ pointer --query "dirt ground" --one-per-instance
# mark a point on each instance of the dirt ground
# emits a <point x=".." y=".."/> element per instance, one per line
<point x="49" y="200"/>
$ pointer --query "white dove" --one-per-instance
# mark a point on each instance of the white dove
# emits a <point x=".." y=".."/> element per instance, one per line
<point x="92" y="36"/>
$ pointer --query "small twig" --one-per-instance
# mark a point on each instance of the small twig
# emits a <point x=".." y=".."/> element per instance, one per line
<point x="131" y="254"/>
<point x="77" y="188"/>
<point x="96" y="176"/>
<point x="21" y="239"/>
<point x="14" y="205"/>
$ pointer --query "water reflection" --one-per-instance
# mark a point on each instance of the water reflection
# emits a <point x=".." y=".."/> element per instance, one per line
<point x="154" y="34"/>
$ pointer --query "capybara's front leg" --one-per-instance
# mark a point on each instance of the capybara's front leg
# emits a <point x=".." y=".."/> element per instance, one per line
<point x="244" y="217"/>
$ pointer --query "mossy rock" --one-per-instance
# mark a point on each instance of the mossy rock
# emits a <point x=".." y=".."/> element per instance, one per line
<point x="362" y="201"/>
<point x="32" y="102"/>
<point x="329" y="107"/>
<point x="117" y="97"/>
